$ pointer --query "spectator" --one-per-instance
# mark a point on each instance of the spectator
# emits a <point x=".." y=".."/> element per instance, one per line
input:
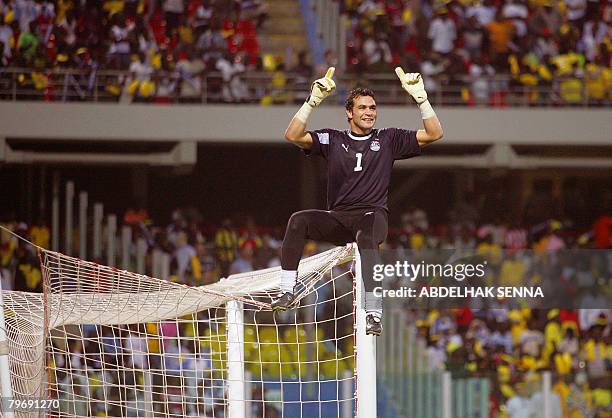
<point x="275" y="261"/>
<point x="199" y="13"/>
<point x="570" y="345"/>
<point x="40" y="234"/>
<point x="593" y="34"/>
<point x="519" y="406"/>
<point x="166" y="88"/>
<point x="500" y="32"/>
<point x="196" y="368"/>
<point x="436" y="356"/>
<point x="329" y="60"/>
<point x="173" y="10"/>
<point x="595" y="75"/>
<point x="552" y="333"/>
<point x="480" y="88"/>
<point x="531" y="339"/>
<point x="26" y="12"/>
<point x="6" y="36"/>
<point x="173" y="355"/>
<point x="516" y="11"/>
<point x="139" y="83"/>
<point x="442" y="32"/>
<point x="27" y="44"/>
<point x="244" y="262"/>
<point x="501" y="337"/>
<point x="516" y="237"/>
<point x="254" y="9"/>
<point x="27" y="275"/>
<point x="377" y="53"/>
<point x="111" y="346"/>
<point x="545" y="21"/>
<point x="204" y="266"/>
<point x="190" y="69"/>
<point x="576" y="12"/>
<point x="211" y="43"/>
<point x="120" y="34"/>
<point x="184" y="255"/>
<point x="537" y="403"/>
<point x="484" y="12"/>
<point x="136" y="346"/>
<point x="433" y="66"/>
<point x="594" y="349"/>
<point x="226" y="243"/>
<point x="231" y="68"/>
<point x="303" y="73"/>
<point x="475" y="38"/>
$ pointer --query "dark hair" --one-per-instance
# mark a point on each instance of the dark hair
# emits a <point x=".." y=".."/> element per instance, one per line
<point x="357" y="92"/>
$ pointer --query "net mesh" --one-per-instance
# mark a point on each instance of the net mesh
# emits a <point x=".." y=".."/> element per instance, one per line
<point x="107" y="342"/>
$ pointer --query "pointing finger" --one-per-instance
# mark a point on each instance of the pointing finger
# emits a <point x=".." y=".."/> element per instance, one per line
<point x="330" y="72"/>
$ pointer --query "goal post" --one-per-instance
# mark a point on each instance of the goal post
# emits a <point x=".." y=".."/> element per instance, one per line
<point x="237" y="395"/>
<point x="110" y="342"/>
<point x="365" y="348"/>
<point x="6" y="387"/>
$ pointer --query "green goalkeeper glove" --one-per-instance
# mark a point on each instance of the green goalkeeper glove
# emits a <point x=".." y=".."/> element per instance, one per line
<point x="321" y="88"/>
<point x="413" y="84"/>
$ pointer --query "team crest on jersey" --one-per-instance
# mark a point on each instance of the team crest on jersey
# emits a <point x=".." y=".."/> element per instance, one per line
<point x="375" y="145"/>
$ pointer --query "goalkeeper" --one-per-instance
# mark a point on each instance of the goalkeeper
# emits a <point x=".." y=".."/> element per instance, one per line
<point x="359" y="164"/>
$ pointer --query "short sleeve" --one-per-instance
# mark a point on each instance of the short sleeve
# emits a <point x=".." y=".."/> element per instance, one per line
<point x="321" y="140"/>
<point x="404" y="143"/>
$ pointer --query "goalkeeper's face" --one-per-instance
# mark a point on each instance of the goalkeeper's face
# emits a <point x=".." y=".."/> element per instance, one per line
<point x="362" y="116"/>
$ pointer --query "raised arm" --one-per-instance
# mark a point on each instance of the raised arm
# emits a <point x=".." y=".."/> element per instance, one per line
<point x="413" y="84"/>
<point x="320" y="89"/>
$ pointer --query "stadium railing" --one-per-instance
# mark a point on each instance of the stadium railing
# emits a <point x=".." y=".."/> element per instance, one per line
<point x="62" y="85"/>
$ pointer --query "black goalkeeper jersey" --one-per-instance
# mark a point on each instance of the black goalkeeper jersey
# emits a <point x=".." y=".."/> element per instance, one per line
<point x="359" y="167"/>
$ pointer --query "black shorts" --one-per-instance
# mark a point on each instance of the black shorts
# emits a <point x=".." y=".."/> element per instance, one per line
<point x="342" y="227"/>
<point x="367" y="227"/>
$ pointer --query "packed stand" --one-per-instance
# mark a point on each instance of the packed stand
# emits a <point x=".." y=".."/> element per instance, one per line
<point x="553" y="52"/>
<point x="185" y="378"/>
<point x="166" y="45"/>
<point x="511" y="345"/>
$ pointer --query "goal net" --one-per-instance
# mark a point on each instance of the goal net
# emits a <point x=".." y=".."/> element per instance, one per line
<point x="107" y="342"/>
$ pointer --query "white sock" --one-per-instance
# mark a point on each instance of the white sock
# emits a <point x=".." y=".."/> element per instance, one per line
<point x="373" y="304"/>
<point x="376" y="313"/>
<point x="287" y="281"/>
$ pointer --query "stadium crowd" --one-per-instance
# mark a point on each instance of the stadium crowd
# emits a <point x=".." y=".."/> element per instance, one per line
<point x="166" y="46"/>
<point x="546" y="46"/>
<point x="509" y="344"/>
<point x="552" y="52"/>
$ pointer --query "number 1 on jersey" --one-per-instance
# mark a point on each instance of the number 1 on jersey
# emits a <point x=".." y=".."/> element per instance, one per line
<point x="358" y="167"/>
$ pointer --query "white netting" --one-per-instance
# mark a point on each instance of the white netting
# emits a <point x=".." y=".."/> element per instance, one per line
<point x="107" y="342"/>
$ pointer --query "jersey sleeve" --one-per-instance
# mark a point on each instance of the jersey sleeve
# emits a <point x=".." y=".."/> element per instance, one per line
<point x="321" y="140"/>
<point x="404" y="143"/>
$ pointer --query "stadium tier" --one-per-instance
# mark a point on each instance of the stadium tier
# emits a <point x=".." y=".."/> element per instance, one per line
<point x="505" y="53"/>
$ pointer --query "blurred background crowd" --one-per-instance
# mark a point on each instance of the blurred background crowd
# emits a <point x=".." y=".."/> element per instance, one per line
<point x="550" y="51"/>
<point x="507" y="343"/>
<point x="558" y="44"/>
<point x="202" y="253"/>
